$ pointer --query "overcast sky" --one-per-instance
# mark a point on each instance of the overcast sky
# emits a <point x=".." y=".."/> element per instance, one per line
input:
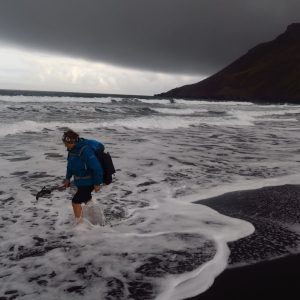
<point x="130" y="46"/>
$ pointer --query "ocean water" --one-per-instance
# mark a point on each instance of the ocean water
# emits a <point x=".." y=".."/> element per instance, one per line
<point x="157" y="244"/>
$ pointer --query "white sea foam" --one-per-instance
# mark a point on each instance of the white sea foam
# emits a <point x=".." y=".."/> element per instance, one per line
<point x="249" y="117"/>
<point x="221" y="103"/>
<point x="154" y="231"/>
<point x="32" y="126"/>
<point x="79" y="108"/>
<point x="242" y="185"/>
<point x="280" y="112"/>
<point x="157" y="122"/>
<point x="179" y="111"/>
<point x="155" y="101"/>
<point x="152" y="122"/>
<point x="143" y="122"/>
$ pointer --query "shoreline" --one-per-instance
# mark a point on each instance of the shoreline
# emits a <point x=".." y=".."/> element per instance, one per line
<point x="270" y="258"/>
<point x="264" y="280"/>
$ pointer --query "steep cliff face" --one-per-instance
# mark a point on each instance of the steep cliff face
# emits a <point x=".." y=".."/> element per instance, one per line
<point x="267" y="72"/>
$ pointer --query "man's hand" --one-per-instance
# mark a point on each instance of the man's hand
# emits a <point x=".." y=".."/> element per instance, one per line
<point x="97" y="188"/>
<point x="66" y="183"/>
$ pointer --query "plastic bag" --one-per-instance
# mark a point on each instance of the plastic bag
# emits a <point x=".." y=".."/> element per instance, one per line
<point x="93" y="213"/>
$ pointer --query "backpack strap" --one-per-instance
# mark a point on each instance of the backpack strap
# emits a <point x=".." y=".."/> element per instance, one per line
<point x="80" y="154"/>
<point x="81" y="150"/>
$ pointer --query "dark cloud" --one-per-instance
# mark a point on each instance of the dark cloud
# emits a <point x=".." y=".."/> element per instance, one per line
<point x="181" y="36"/>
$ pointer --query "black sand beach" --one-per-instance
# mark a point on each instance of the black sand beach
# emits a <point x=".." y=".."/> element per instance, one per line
<point x="279" y="278"/>
<point x="265" y="264"/>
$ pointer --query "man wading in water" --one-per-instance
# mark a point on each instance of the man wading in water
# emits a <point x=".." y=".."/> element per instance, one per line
<point x="84" y="166"/>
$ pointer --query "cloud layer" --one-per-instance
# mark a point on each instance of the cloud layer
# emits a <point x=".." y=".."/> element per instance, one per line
<point x="176" y="36"/>
<point x="39" y="71"/>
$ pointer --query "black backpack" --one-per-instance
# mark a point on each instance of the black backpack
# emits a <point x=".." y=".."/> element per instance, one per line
<point x="107" y="166"/>
<point x="106" y="163"/>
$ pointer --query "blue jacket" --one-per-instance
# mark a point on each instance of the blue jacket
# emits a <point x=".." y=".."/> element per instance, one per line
<point x="83" y="163"/>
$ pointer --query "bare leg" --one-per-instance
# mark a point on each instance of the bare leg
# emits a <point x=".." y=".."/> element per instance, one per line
<point x="77" y="210"/>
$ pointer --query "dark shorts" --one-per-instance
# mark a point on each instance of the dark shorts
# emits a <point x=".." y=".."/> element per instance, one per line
<point x="83" y="194"/>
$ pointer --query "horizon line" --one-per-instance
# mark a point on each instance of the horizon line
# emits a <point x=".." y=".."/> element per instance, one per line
<point x="16" y="92"/>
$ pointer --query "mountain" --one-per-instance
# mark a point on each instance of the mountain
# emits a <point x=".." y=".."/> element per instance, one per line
<point x="269" y="72"/>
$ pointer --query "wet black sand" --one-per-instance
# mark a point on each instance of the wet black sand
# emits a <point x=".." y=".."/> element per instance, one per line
<point x="270" y="269"/>
<point x="276" y="279"/>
